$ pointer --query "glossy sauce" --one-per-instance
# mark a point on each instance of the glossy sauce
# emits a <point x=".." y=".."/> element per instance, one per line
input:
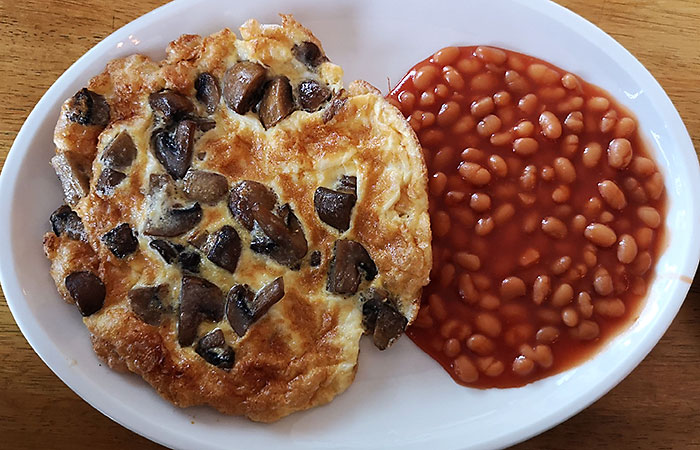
<point x="506" y="210"/>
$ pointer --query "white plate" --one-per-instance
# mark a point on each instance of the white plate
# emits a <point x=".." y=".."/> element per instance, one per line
<point x="401" y="398"/>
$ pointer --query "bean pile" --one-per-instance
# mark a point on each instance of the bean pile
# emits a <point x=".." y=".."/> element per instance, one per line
<point x="547" y="214"/>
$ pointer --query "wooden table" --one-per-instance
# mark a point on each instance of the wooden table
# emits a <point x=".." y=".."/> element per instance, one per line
<point x="656" y="407"/>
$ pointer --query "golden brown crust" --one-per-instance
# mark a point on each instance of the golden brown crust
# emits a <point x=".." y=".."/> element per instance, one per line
<point x="304" y="351"/>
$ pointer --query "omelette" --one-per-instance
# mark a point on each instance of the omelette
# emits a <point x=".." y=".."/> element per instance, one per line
<point x="236" y="219"/>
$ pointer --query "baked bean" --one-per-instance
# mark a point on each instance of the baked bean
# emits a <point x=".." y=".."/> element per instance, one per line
<point x="518" y="334"/>
<point x="540" y="289"/>
<point x="491" y="55"/>
<point x="454" y="198"/>
<point x="501" y="98"/>
<point x="483" y="82"/>
<point x="547" y="173"/>
<point x="587" y="330"/>
<point x="626" y="249"/>
<point x="474" y="173"/>
<point x="503" y="213"/>
<point x="635" y="190"/>
<point x="415" y="123"/>
<point x="548" y="316"/>
<point x="585" y="305"/>
<point x="490" y="366"/>
<point x="451" y="348"/>
<point x="467" y="290"/>
<point x="432" y="137"/>
<point x="467" y="261"/>
<point x="612" y="307"/>
<point x="593" y="207"/>
<point x="570" y="81"/>
<point x="598" y="104"/>
<point x="562" y="295"/>
<point x="638" y="286"/>
<point x="489" y="302"/>
<point x="606" y="217"/>
<point x="569" y="145"/>
<point x="625" y="127"/>
<point x="449" y="328"/>
<point x="514" y="312"/>
<point x="441" y="223"/>
<point x="480" y="202"/>
<point x="529" y="257"/>
<point x="608" y="122"/>
<point x="512" y="287"/>
<point x="484" y="226"/>
<point x="561" y="265"/>
<point x="591" y="154"/>
<point x="644" y="236"/>
<point x="551" y="127"/>
<point x="641" y="264"/>
<point x="554" y="227"/>
<point x="601" y="235"/>
<point x="427" y="119"/>
<point x="449" y="113"/>
<point x="425" y="76"/>
<point x="472" y="154"/>
<point x="447" y="275"/>
<point x="463" y="125"/>
<point x="528" y="180"/>
<point x="642" y="167"/>
<point x="524" y="128"/>
<point x="523" y="366"/>
<point x="547" y="335"/>
<point x="569" y="316"/>
<point x="482" y="107"/>
<point x="447" y="55"/>
<point x="406" y="101"/>
<point x="515" y="82"/>
<point x="574" y="122"/>
<point x="525" y="146"/>
<point x="619" y="153"/>
<point x="578" y="223"/>
<point x="541" y="74"/>
<point x="488" y="125"/>
<point x="528" y="104"/>
<point x="589" y="257"/>
<point x="441" y="91"/>
<point x="444" y="158"/>
<point x="602" y="282"/>
<point x="565" y="170"/>
<point x="465" y="369"/>
<point x="543" y="356"/>
<point x="654" y="186"/>
<point x="464" y="216"/>
<point x="488" y="324"/>
<point x="612" y="194"/>
<point x="649" y="216"/>
<point x="437" y="184"/>
<point x="427" y="99"/>
<point x="437" y="307"/>
<point x="577" y="272"/>
<point x="551" y="94"/>
<point x="469" y="66"/>
<point x="480" y="344"/>
<point x="498" y="166"/>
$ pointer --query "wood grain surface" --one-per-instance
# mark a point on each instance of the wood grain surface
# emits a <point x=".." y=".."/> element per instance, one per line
<point x="656" y="407"/>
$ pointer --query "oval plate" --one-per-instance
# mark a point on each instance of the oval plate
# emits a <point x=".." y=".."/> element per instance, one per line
<point x="401" y="398"/>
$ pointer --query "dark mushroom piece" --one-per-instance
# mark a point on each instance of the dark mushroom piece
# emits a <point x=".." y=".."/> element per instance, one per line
<point x="205" y="187"/>
<point x="189" y="261"/>
<point x="108" y="180"/>
<point x="120" y="153"/>
<point x="243" y="307"/>
<point x="226" y="248"/>
<point x="381" y="319"/>
<point x="173" y="148"/>
<point x="171" y="104"/>
<point x="146" y="303"/>
<point x="243" y="83"/>
<point x="175" y="253"/>
<point x="244" y="196"/>
<point x="347" y="183"/>
<point x="207" y="87"/>
<point x="312" y="94"/>
<point x="315" y="259"/>
<point x="66" y="221"/>
<point x="205" y="124"/>
<point x="277" y="101"/>
<point x="121" y="240"/>
<point x="173" y="221"/>
<point x="88" y="108"/>
<point x="212" y="347"/>
<point x="74" y="175"/>
<point x="334" y="207"/>
<point x="199" y="300"/>
<point x="87" y="290"/>
<point x="309" y="54"/>
<point x="335" y="105"/>
<point x="344" y="274"/>
<point x="282" y="238"/>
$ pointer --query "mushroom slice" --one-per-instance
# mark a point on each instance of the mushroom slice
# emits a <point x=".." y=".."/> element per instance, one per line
<point x="207" y="87"/>
<point x="73" y="174"/>
<point x="66" y="221"/>
<point x="344" y="274"/>
<point x="173" y="148"/>
<point x="170" y="104"/>
<point x="282" y="238"/>
<point x="108" y="180"/>
<point x="87" y="290"/>
<point x="309" y="54"/>
<point x="243" y="83"/>
<point x="212" y="347"/>
<point x="199" y="300"/>
<point x="382" y="319"/>
<point x="347" y="183"/>
<point x="175" y="253"/>
<point x="146" y="303"/>
<point x="334" y="207"/>
<point x="243" y="307"/>
<point x="170" y="222"/>
<point x="120" y="153"/>
<point x="88" y="108"/>
<point x="277" y="101"/>
<point x="121" y="240"/>
<point x="205" y="187"/>
<point x="315" y="259"/>
<point x="335" y="105"/>
<point x="312" y="94"/>
<point x="244" y="196"/>
<point x="226" y="248"/>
